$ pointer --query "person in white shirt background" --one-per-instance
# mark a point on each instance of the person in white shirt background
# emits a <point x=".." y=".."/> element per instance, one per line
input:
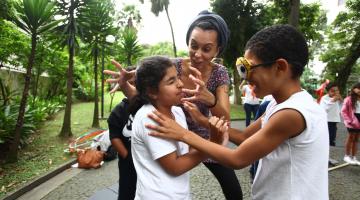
<point x="331" y="102"/>
<point x="251" y="102"/>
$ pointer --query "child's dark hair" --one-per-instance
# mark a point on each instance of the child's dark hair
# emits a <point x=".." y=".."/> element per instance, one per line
<point x="353" y="95"/>
<point x="280" y="41"/>
<point x="331" y="85"/>
<point x="149" y="73"/>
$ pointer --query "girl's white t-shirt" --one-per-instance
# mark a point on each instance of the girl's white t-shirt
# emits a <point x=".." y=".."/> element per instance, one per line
<point x="357" y="107"/>
<point x="153" y="182"/>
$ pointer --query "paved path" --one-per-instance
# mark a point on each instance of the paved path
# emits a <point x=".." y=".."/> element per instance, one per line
<point x="344" y="183"/>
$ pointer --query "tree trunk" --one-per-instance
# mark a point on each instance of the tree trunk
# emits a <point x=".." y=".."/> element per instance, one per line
<point x="102" y="81"/>
<point x="294" y="13"/>
<point x="128" y="59"/>
<point x="172" y="31"/>
<point x="95" y="123"/>
<point x="237" y="93"/>
<point x="66" y="127"/>
<point x="14" y="144"/>
<point x="36" y="83"/>
<point x="350" y="60"/>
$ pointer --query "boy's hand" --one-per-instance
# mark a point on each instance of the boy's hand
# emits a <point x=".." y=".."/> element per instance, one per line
<point x="166" y="128"/>
<point x="121" y="77"/>
<point x="219" y="130"/>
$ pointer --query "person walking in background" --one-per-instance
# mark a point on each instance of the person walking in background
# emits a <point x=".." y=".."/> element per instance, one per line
<point x="331" y="102"/>
<point x="251" y="102"/>
<point x="351" y="115"/>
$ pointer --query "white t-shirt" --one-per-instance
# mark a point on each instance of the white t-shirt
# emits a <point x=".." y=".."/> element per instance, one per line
<point x="153" y="182"/>
<point x="357" y="107"/>
<point x="249" y="98"/>
<point x="298" y="168"/>
<point x="332" y="108"/>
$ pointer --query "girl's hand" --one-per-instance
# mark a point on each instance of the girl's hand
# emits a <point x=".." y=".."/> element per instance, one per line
<point x="195" y="114"/>
<point x="121" y="77"/>
<point x="219" y="130"/>
<point x="200" y="93"/>
<point x="166" y="128"/>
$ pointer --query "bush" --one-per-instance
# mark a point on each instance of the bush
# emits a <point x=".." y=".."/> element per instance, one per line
<point x="36" y="112"/>
<point x="84" y="94"/>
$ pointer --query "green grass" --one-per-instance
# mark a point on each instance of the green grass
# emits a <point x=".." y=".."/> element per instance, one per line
<point x="237" y="112"/>
<point x="45" y="150"/>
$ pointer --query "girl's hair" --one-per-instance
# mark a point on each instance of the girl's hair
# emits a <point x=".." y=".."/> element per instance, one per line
<point x="149" y="73"/>
<point x="353" y="95"/>
<point x="280" y="41"/>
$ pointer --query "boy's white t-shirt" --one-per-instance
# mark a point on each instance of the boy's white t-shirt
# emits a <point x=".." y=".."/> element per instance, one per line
<point x="331" y="107"/>
<point x="153" y="182"/>
<point x="298" y="168"/>
<point x="249" y="98"/>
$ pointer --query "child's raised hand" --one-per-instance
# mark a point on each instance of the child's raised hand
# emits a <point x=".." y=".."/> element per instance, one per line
<point x="219" y="130"/>
<point x="166" y="128"/>
<point x="120" y="77"/>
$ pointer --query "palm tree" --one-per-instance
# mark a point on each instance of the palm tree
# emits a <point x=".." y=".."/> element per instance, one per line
<point x="156" y="7"/>
<point x="35" y="17"/>
<point x="97" y="23"/>
<point x="70" y="9"/>
<point x="129" y="45"/>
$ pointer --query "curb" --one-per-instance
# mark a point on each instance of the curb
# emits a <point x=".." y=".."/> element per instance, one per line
<point x="33" y="184"/>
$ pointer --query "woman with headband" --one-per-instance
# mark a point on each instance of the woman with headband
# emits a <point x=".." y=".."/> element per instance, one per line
<point x="206" y="85"/>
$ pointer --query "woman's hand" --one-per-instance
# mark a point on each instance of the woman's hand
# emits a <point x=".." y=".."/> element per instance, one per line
<point x="219" y="130"/>
<point x="166" y="128"/>
<point x="195" y="114"/>
<point x="121" y="77"/>
<point x="200" y="93"/>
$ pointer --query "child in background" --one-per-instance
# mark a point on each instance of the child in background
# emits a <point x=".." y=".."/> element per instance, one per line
<point x="331" y="102"/>
<point x="119" y="123"/>
<point x="161" y="164"/>
<point x="351" y="115"/>
<point x="251" y="102"/>
<point x="291" y="139"/>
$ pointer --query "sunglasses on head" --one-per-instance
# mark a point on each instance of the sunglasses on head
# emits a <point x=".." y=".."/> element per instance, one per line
<point x="244" y="67"/>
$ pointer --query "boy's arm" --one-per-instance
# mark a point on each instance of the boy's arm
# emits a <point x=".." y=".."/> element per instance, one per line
<point x="237" y="136"/>
<point x="281" y="126"/>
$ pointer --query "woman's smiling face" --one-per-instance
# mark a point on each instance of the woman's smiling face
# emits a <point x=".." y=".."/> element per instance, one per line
<point x="203" y="47"/>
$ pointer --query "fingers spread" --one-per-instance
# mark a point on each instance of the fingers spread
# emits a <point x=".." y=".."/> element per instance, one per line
<point x="195" y="71"/>
<point x="109" y="72"/>
<point x="116" y="64"/>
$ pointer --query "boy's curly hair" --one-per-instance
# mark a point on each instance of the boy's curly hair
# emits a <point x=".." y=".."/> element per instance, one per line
<point x="280" y="41"/>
